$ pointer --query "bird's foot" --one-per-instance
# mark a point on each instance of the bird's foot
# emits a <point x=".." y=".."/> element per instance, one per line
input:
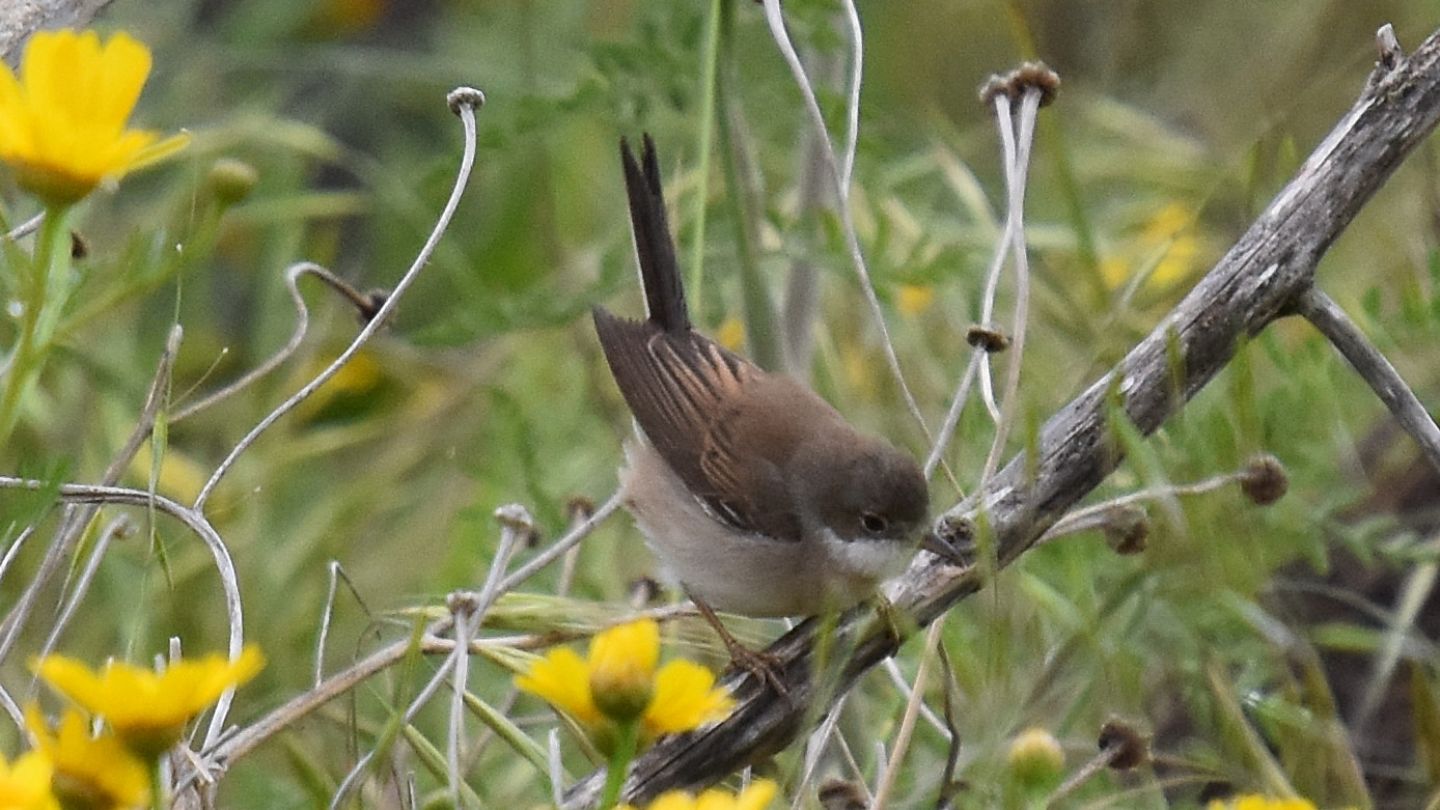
<point x="763" y="666"/>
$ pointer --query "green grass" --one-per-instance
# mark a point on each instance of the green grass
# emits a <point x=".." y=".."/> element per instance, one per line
<point x="490" y="388"/>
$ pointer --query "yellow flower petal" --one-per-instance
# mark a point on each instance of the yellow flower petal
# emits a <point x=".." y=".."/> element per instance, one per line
<point x="731" y="334"/>
<point x="1258" y="802"/>
<point x="62" y="121"/>
<point x="562" y="680"/>
<point x="672" y="800"/>
<point x="25" y="784"/>
<point x="147" y="709"/>
<point x="756" y="796"/>
<point x="622" y="668"/>
<point x="619" y="682"/>
<point x="913" y="299"/>
<point x="99" y="770"/>
<point x="685" y="698"/>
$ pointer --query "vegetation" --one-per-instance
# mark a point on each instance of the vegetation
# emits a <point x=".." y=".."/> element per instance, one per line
<point x="1284" y="650"/>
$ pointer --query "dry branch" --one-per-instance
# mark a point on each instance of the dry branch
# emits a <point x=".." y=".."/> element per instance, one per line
<point x="1258" y="281"/>
<point x="21" y="18"/>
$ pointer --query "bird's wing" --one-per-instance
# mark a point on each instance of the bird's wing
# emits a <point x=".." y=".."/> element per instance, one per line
<point x="682" y="388"/>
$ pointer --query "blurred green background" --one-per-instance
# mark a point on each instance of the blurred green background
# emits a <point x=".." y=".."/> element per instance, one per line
<point x="1176" y="123"/>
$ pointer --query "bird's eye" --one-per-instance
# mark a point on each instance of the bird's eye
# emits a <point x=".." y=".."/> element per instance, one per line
<point x="873" y="523"/>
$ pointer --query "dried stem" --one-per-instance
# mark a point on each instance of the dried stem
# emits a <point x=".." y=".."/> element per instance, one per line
<point x="297" y="336"/>
<point x="74" y="519"/>
<point x="776" y="21"/>
<point x="1326" y="316"/>
<point x="1017" y="138"/>
<point x="464" y="101"/>
<point x="907" y="720"/>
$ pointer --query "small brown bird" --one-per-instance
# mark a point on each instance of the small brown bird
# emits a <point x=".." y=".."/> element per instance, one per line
<point x="755" y="493"/>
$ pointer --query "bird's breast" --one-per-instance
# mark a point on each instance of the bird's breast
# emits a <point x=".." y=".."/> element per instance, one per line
<point x="744" y="572"/>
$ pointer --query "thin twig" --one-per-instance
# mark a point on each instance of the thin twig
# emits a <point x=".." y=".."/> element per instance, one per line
<point x="1015" y="180"/>
<point x="952" y="416"/>
<point x="426" y="692"/>
<point x="14" y="550"/>
<point x="118" y="527"/>
<point x="561" y="546"/>
<point x="27" y="227"/>
<point x="464" y="101"/>
<point x="1094" y="516"/>
<point x="907" y="720"/>
<point x="198" y="525"/>
<point x="1095" y="765"/>
<point x="776" y="21"/>
<point x="74" y="519"/>
<point x="336" y="574"/>
<point x="897" y="679"/>
<point x="1327" y="316"/>
<point x="814" y="749"/>
<point x="467" y="620"/>
<point x="297" y="335"/>
<point x="556" y="766"/>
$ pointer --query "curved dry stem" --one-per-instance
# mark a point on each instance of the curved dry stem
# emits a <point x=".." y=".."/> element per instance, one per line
<point x="466" y="111"/>
<point x="776" y="22"/>
<point x="297" y="336"/>
<point x="952" y="416"/>
<point x="199" y="526"/>
<point x="1017" y="151"/>
<point x="852" y="95"/>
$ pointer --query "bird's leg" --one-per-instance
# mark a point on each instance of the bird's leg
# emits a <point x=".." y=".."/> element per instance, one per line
<point x="762" y="665"/>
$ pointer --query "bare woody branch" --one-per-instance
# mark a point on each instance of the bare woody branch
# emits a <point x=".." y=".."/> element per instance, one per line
<point x="1262" y="278"/>
<point x="21" y="18"/>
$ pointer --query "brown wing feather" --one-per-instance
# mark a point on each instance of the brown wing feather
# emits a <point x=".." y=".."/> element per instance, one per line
<point x="682" y="387"/>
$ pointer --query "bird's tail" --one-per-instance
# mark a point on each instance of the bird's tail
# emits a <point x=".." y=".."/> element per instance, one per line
<point x="655" y="250"/>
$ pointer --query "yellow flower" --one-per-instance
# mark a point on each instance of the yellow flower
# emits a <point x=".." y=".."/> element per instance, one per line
<point x="62" y="122"/>
<point x="622" y="669"/>
<point x="1035" y="758"/>
<point x="913" y="299"/>
<point x="685" y="698"/>
<point x="149" y="710"/>
<point x="1256" y="802"/>
<point x="1167" y="246"/>
<point x="94" y="773"/>
<point x="731" y="334"/>
<point x="754" y="797"/>
<point x="25" y="784"/>
<point x="619" y="683"/>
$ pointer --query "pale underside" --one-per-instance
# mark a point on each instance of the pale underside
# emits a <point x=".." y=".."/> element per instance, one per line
<point x="746" y="572"/>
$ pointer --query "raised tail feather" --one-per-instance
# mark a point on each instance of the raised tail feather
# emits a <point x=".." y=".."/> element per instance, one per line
<point x="654" y="248"/>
